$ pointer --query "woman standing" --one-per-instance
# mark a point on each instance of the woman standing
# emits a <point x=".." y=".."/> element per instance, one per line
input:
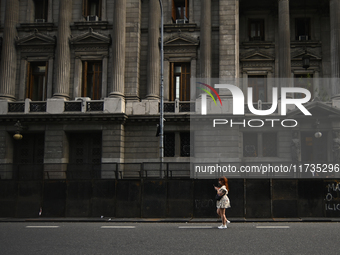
<point x="224" y="202"/>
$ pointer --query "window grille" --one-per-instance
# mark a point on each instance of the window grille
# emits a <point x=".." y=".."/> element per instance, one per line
<point x="38" y="107"/>
<point x="185" y="144"/>
<point x="73" y="106"/>
<point x="269" y="143"/>
<point x="169" y="144"/>
<point x="16" y="107"/>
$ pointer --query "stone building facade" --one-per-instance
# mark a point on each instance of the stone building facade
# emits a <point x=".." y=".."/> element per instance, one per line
<point x="83" y="79"/>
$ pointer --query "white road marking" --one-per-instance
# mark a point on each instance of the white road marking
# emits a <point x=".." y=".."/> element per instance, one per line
<point x="270" y="227"/>
<point x="197" y="227"/>
<point x="118" y="227"/>
<point x="42" y="226"/>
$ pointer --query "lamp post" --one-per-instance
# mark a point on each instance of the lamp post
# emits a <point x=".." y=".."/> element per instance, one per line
<point x="161" y="114"/>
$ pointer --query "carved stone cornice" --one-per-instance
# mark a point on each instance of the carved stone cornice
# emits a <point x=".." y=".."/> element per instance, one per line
<point x="256" y="56"/>
<point x="90" y="41"/>
<point x="181" y="43"/>
<point x="36" y="42"/>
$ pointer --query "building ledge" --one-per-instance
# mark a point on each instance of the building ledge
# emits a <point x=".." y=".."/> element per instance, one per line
<point x="85" y="25"/>
<point x="49" y="26"/>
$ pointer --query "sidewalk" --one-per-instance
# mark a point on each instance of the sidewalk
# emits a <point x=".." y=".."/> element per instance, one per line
<point x="167" y="220"/>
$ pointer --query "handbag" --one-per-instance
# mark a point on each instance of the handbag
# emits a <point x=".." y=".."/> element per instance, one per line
<point x="218" y="197"/>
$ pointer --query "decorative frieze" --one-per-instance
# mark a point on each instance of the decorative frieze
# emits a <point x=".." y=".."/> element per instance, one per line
<point x="90" y="41"/>
<point x="36" y="42"/>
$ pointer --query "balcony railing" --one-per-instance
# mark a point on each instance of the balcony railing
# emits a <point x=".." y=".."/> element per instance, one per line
<point x="16" y="107"/>
<point x="179" y="106"/>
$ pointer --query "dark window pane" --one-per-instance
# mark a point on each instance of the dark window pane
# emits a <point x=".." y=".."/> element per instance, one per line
<point x="40" y="9"/>
<point x="302" y="28"/>
<point x="269" y="143"/>
<point x="250" y="145"/>
<point x="259" y="85"/>
<point x="169" y="144"/>
<point x="185" y="144"/>
<point x="256" y="30"/>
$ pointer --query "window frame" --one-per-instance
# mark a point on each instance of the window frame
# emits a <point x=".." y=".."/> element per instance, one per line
<point x="178" y="145"/>
<point x="184" y="89"/>
<point x="260" y="24"/>
<point x="256" y="88"/>
<point x="260" y="148"/>
<point x="86" y="9"/>
<point x="97" y="84"/>
<point x="307" y="22"/>
<point x="44" y="6"/>
<point x="185" y="15"/>
<point x="30" y="79"/>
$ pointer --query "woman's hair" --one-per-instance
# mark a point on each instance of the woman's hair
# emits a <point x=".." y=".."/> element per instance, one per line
<point x="224" y="182"/>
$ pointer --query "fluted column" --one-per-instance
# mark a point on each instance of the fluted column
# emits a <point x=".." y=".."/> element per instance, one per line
<point x="118" y="48"/>
<point x="63" y="57"/>
<point x="205" y="38"/>
<point x="153" y="65"/>
<point x="228" y="42"/>
<point x="284" y="40"/>
<point x="335" y="45"/>
<point x="8" y="65"/>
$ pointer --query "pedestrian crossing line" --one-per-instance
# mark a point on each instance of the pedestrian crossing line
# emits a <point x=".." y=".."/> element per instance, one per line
<point x="272" y="227"/>
<point x="195" y="227"/>
<point x="118" y="227"/>
<point x="42" y="226"/>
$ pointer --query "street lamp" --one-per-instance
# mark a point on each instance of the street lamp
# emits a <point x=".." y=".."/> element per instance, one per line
<point x="19" y="129"/>
<point x="161" y="115"/>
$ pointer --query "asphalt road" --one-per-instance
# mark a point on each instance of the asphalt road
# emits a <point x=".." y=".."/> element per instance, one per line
<point x="168" y="238"/>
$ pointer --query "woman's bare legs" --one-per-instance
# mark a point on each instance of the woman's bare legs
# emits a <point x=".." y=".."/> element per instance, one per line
<point x="224" y="219"/>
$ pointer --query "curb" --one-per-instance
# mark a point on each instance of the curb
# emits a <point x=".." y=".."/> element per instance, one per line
<point x="166" y="220"/>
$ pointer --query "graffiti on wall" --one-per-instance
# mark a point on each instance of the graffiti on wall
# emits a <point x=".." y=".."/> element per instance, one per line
<point x="332" y="199"/>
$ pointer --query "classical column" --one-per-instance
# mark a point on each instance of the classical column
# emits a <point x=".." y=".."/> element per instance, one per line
<point x="335" y="44"/>
<point x="205" y="38"/>
<point x="284" y="40"/>
<point x="8" y="65"/>
<point x="228" y="42"/>
<point x="63" y="54"/>
<point x="50" y="11"/>
<point x="118" y="48"/>
<point x="153" y="65"/>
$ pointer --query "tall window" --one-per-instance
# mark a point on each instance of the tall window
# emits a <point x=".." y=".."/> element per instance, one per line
<point x="40" y="10"/>
<point x="259" y="85"/>
<point x="92" y="9"/>
<point x="180" y="81"/>
<point x="313" y="149"/>
<point x="37" y="81"/>
<point x="177" y="144"/>
<point x="29" y="156"/>
<point x="180" y="11"/>
<point x="85" y="148"/>
<point x="85" y="155"/>
<point x="256" y="29"/>
<point x="92" y="79"/>
<point x="302" y="29"/>
<point x="259" y="144"/>
<point x="303" y="81"/>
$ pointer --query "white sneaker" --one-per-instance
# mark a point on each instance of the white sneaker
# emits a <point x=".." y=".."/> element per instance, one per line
<point x="228" y="222"/>
<point x="222" y="227"/>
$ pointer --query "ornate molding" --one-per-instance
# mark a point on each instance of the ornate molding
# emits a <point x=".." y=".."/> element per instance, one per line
<point x="91" y="41"/>
<point x="36" y="42"/>
<point x="36" y="39"/>
<point x="256" y="56"/>
<point x="181" y="44"/>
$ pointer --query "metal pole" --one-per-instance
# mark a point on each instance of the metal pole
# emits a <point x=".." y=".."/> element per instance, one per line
<point x="161" y="121"/>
